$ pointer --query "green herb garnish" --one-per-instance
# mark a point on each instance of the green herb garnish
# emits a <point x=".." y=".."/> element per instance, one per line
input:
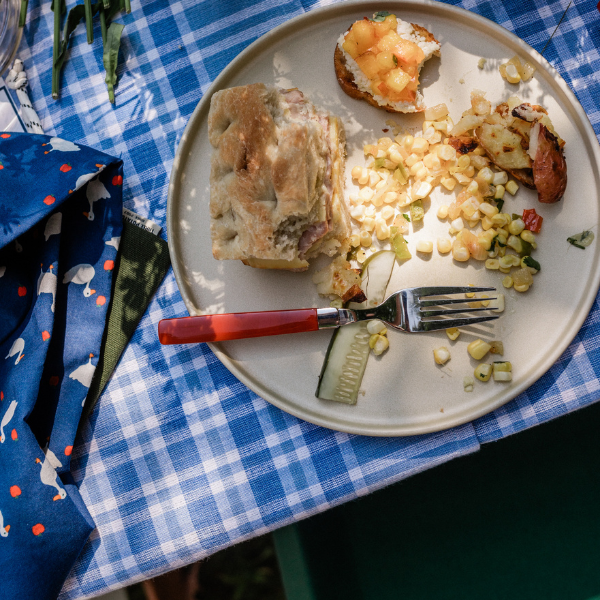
<point x="499" y="205"/>
<point x="531" y="262"/>
<point x="581" y="240"/>
<point x="395" y="59"/>
<point x="352" y="253"/>
<point x="380" y="16"/>
<point x="496" y="241"/>
<point x="406" y="217"/>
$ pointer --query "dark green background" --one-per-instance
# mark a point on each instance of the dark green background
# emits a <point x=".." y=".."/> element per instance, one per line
<point x="518" y="520"/>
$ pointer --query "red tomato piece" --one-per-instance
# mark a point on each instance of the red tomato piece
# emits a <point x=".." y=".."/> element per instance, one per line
<point x="532" y="220"/>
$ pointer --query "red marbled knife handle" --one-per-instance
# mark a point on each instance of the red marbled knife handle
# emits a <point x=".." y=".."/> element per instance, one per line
<point x="235" y="326"/>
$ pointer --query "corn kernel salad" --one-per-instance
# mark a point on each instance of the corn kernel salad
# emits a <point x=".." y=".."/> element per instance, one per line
<point x="401" y="172"/>
<point x="515" y="70"/>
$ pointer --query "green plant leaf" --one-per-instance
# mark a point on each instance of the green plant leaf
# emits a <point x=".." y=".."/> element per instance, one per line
<point x="76" y="15"/>
<point x="111" y="57"/>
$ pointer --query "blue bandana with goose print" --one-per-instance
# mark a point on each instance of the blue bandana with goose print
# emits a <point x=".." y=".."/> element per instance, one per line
<point x="60" y="226"/>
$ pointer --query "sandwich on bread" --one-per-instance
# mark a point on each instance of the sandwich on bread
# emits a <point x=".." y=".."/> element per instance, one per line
<point x="379" y="61"/>
<point x="277" y="177"/>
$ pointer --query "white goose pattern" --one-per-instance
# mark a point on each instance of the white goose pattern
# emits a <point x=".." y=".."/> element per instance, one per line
<point x="95" y="191"/>
<point x="3" y="528"/>
<point x="8" y="415"/>
<point x="46" y="284"/>
<point x="48" y="474"/>
<point x="62" y="145"/>
<point x="53" y="225"/>
<point x="17" y="348"/>
<point x="84" y="374"/>
<point x="81" y="274"/>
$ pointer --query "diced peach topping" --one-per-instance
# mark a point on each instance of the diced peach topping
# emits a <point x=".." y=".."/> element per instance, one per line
<point x="387" y="60"/>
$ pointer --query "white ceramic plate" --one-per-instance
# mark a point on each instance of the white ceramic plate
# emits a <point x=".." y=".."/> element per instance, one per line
<point x="403" y="392"/>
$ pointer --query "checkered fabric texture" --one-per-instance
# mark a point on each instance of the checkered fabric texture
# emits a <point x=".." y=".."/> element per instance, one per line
<point x="179" y="459"/>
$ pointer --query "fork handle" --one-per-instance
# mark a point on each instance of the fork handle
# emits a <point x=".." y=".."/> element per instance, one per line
<point x="235" y="326"/>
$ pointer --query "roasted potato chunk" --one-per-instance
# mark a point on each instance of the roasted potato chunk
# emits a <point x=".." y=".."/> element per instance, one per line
<point x="463" y="144"/>
<point x="504" y="147"/>
<point x="549" y="167"/>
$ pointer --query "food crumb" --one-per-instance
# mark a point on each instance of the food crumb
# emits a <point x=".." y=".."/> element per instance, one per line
<point x="441" y="410"/>
<point x="481" y="63"/>
<point x="385" y="130"/>
<point x="461" y="80"/>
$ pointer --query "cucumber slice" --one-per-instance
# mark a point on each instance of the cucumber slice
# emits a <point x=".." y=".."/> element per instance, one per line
<point x="348" y="350"/>
<point x="344" y="364"/>
<point x="377" y="271"/>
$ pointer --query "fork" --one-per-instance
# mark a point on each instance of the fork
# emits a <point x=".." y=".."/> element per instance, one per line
<point x="403" y="310"/>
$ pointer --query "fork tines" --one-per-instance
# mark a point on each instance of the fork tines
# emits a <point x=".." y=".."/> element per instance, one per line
<point x="448" y="323"/>
<point x="447" y="290"/>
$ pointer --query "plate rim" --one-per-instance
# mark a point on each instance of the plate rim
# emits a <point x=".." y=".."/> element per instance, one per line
<point x="587" y="299"/>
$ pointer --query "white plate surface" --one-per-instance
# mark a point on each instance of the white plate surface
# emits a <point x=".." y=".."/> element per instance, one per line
<point x="403" y="392"/>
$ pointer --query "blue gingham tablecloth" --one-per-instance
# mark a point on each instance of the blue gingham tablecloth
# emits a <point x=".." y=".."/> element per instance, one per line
<point x="179" y="459"/>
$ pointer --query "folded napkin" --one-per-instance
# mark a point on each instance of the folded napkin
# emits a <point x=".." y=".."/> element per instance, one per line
<point x="60" y="226"/>
<point x="141" y="266"/>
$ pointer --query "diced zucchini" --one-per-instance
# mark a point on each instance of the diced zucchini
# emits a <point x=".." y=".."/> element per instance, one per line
<point x="400" y="247"/>
<point x="416" y="210"/>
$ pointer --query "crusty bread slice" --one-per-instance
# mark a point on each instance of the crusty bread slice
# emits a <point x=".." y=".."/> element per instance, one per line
<point x="276" y="183"/>
<point x="344" y="66"/>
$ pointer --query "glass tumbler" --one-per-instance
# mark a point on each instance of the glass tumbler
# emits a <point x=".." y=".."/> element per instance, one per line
<point x="10" y="32"/>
